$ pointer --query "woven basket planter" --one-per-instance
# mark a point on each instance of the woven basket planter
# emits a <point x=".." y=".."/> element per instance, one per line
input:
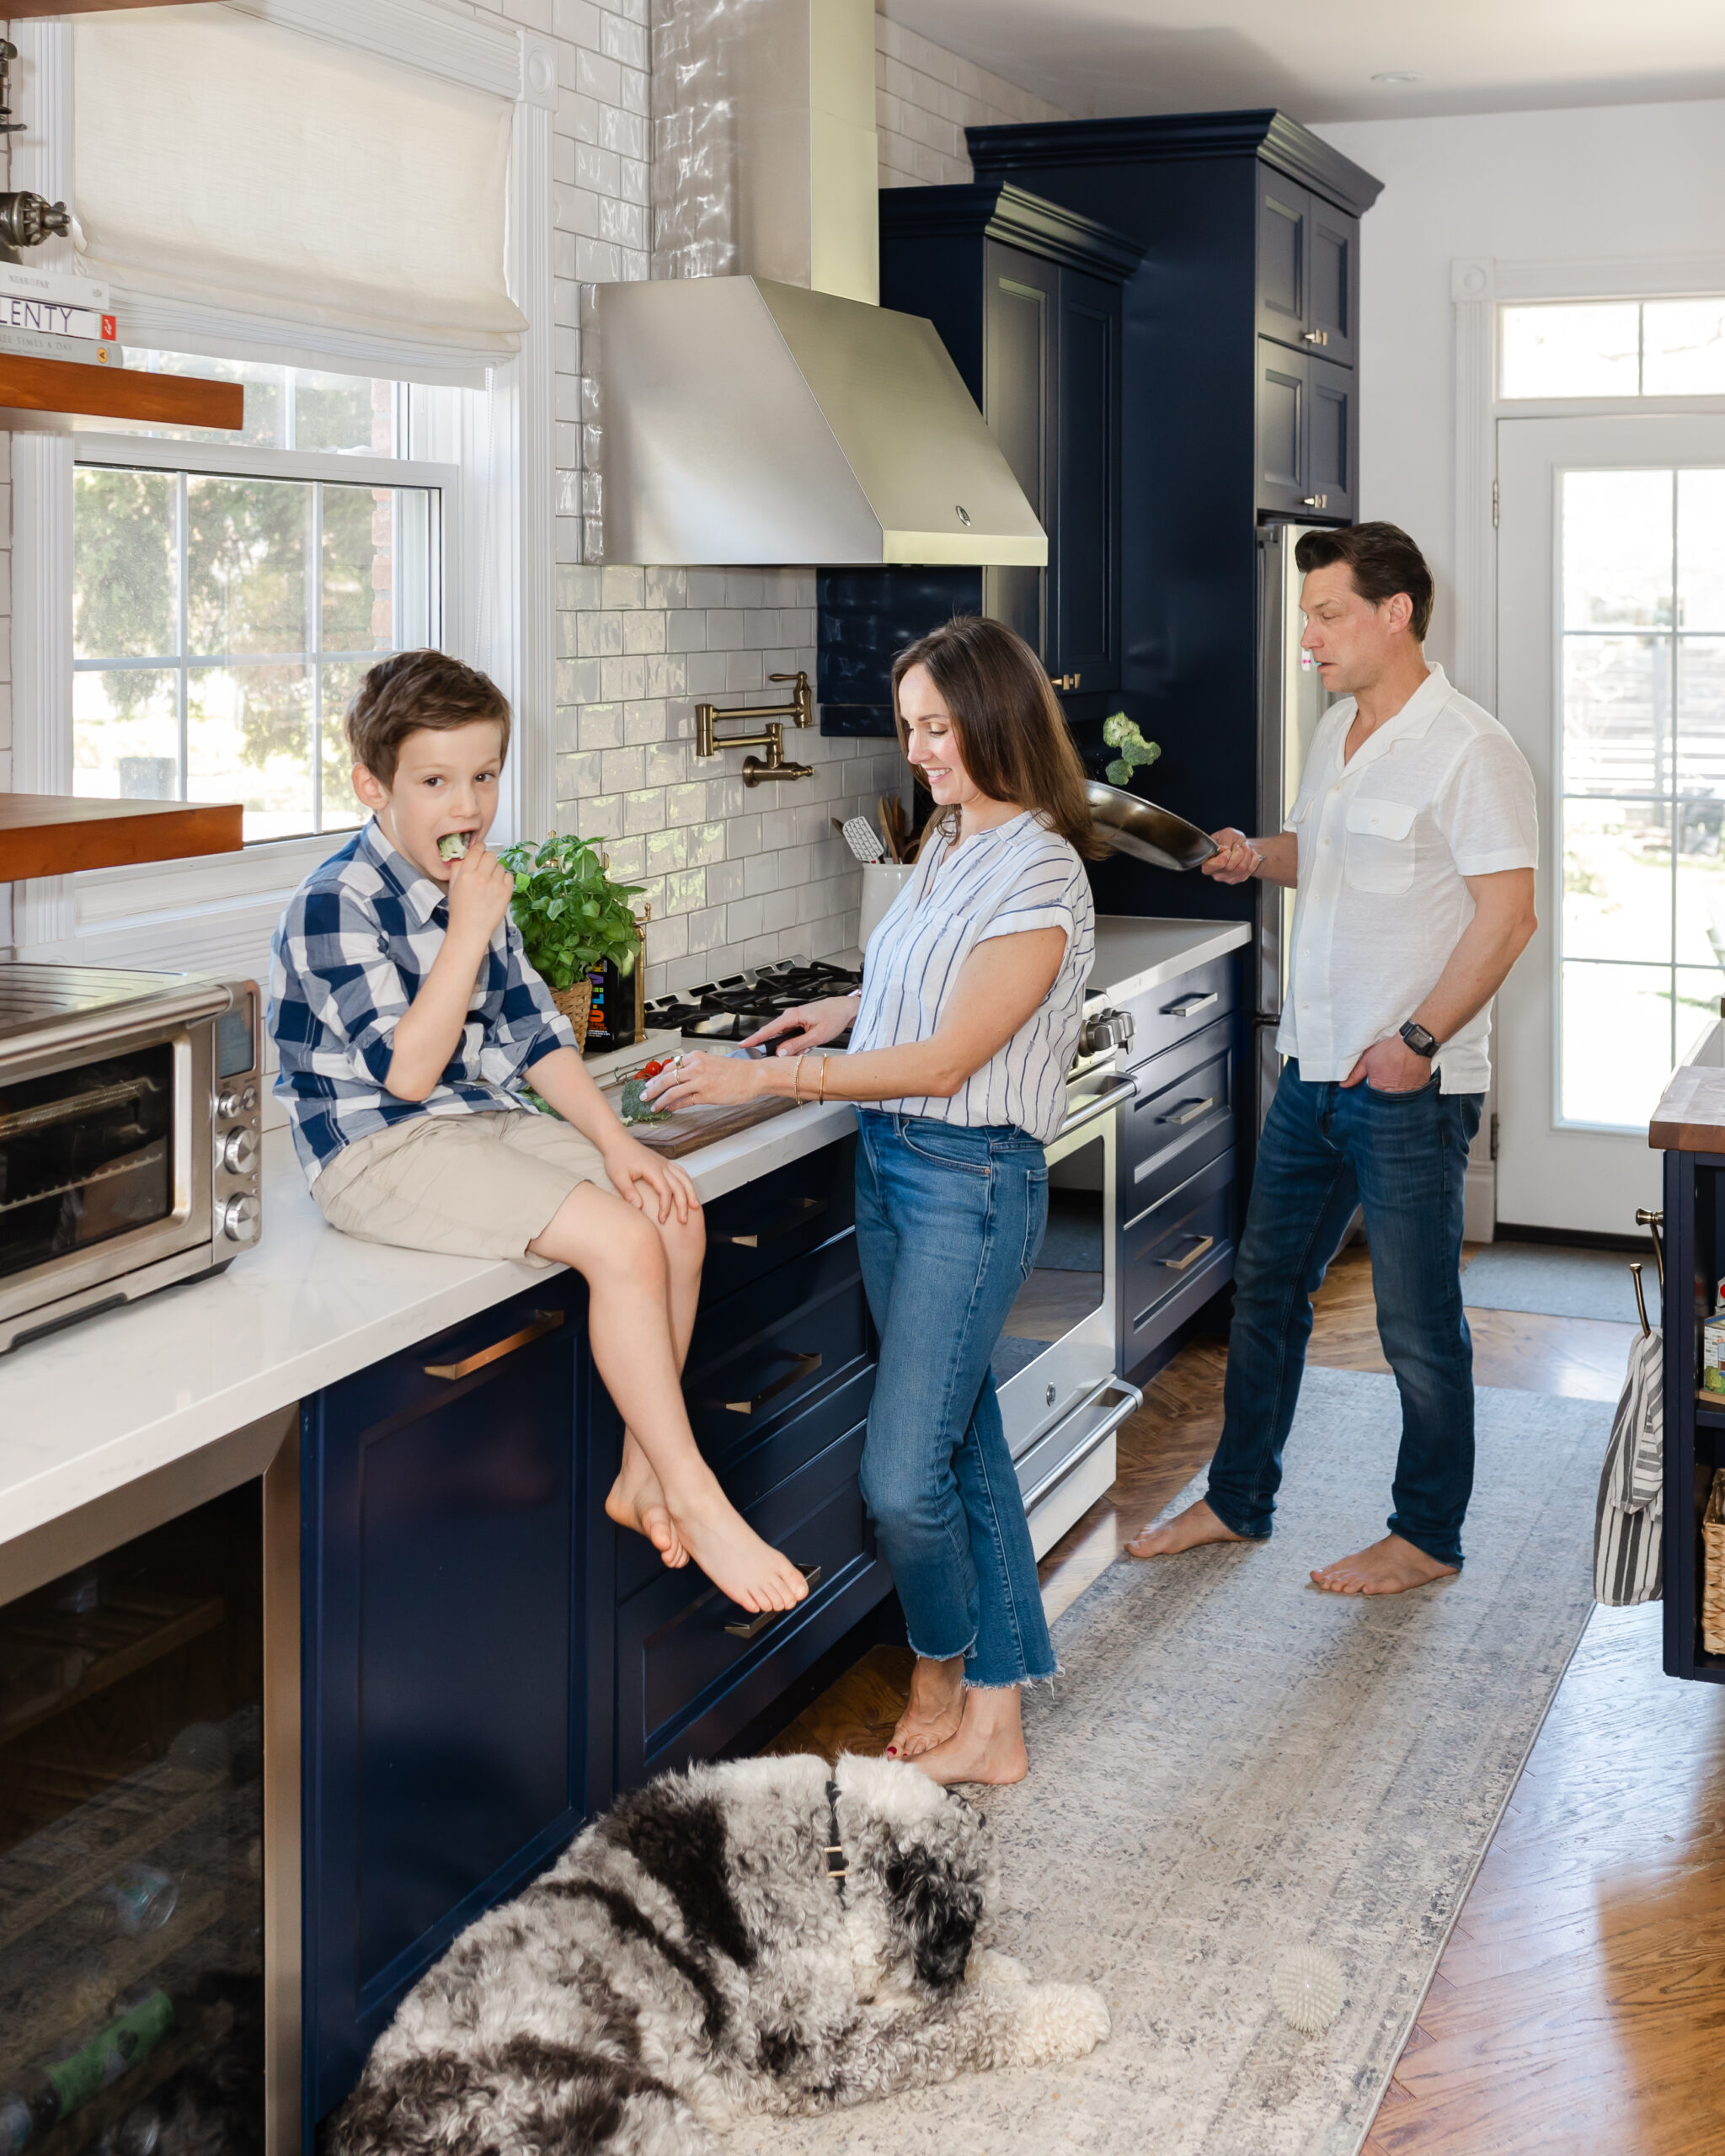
<point x="575" y="1004"/>
<point x="1713" y="1568"/>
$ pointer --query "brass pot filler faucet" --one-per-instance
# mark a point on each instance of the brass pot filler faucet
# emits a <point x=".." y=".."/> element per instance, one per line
<point x="800" y="711"/>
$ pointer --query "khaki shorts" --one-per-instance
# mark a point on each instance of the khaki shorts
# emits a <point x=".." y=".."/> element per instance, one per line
<point x="482" y="1185"/>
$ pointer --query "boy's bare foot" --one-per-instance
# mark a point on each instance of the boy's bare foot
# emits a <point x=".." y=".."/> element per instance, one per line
<point x="637" y="1503"/>
<point x="934" y="1711"/>
<point x="1187" y="1530"/>
<point x="733" y="1555"/>
<point x="1390" y="1566"/>
<point x="988" y="1747"/>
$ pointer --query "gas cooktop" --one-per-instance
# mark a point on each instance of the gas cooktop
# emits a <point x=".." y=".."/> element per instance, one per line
<point x="731" y="1009"/>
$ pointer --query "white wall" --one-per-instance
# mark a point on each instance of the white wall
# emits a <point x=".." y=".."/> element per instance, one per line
<point x="1608" y="181"/>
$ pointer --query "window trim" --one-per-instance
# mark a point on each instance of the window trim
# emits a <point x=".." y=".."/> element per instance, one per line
<point x="503" y="532"/>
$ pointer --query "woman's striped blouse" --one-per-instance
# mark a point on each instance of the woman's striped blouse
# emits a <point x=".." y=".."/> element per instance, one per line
<point x="1019" y="876"/>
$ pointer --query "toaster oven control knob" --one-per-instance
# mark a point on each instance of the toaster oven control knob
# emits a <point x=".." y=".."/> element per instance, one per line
<point x="240" y="1220"/>
<point x="239" y="1152"/>
<point x="232" y="1106"/>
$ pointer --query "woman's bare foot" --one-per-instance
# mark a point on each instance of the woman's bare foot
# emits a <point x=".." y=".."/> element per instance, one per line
<point x="1390" y="1566"/>
<point x="637" y="1503"/>
<point x="731" y="1554"/>
<point x="988" y="1747"/>
<point x="934" y="1709"/>
<point x="1187" y="1530"/>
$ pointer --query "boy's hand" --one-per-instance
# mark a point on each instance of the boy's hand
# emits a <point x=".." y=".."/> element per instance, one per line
<point x="648" y="1180"/>
<point x="480" y="889"/>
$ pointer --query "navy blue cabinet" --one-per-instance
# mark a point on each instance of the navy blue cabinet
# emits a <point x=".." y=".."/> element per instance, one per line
<point x="1240" y="405"/>
<point x="448" y="1746"/>
<point x="1026" y="298"/>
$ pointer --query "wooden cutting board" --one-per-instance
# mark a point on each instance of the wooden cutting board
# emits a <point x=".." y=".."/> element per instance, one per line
<point x="690" y="1129"/>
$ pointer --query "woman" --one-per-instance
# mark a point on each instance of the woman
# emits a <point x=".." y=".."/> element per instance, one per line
<point x="962" y="1036"/>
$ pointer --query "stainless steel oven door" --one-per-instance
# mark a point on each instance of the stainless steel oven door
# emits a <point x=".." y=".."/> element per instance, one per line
<point x="105" y="1161"/>
<point x="1058" y="1342"/>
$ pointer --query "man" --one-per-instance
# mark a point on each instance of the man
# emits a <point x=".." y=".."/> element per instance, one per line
<point x="1411" y="848"/>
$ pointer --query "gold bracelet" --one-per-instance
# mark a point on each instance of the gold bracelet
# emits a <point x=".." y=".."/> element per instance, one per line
<point x="823" y="1081"/>
<point x="797" y="1081"/>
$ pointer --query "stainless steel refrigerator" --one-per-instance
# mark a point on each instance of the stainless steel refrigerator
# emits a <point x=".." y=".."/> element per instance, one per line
<point x="1291" y="699"/>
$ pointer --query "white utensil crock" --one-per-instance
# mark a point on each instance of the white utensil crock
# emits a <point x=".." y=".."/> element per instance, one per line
<point x="881" y="882"/>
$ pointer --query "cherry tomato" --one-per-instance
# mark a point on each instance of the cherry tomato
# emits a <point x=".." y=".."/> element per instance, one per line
<point x="651" y="1070"/>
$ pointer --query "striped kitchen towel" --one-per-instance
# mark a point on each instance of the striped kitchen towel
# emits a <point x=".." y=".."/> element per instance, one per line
<point x="1631" y="1507"/>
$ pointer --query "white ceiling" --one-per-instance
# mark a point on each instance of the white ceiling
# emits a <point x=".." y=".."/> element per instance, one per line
<point x="1315" y="59"/>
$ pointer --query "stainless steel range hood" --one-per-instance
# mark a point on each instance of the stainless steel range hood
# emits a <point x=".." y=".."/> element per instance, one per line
<point x="744" y="420"/>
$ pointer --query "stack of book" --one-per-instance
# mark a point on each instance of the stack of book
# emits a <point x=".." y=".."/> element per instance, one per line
<point x="49" y="314"/>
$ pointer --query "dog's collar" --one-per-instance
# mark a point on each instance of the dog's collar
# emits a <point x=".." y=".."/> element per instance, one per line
<point x="838" y="1868"/>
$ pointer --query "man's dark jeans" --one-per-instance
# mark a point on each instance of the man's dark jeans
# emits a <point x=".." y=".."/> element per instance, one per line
<point x="1401" y="1157"/>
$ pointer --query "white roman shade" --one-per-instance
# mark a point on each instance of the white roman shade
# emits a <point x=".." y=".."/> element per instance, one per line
<point x="256" y="191"/>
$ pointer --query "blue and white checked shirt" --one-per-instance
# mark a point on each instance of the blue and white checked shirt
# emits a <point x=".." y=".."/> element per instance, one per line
<point x="358" y="937"/>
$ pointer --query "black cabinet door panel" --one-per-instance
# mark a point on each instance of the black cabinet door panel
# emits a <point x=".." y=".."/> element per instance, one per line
<point x="1085" y="574"/>
<point x="1175" y="1257"/>
<point x="1284" y="212"/>
<point x="1175" y="1126"/>
<point x="783" y="1217"/>
<point x="1281" y="428"/>
<point x="1019" y="363"/>
<point x="1166" y="1017"/>
<point x="1334" y="257"/>
<point x="1332" y="431"/>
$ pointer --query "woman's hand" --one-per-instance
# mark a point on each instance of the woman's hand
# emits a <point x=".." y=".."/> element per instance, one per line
<point x="814" y="1024"/>
<point x="697" y="1080"/>
<point x="647" y="1179"/>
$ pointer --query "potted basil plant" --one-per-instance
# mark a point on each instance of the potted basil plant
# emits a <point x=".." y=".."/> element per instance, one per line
<point x="580" y="935"/>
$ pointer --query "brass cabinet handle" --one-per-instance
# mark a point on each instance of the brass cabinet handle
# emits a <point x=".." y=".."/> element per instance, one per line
<point x="805" y="1210"/>
<point x="1314" y="501"/>
<point x="751" y="1628"/>
<point x="1190" y="1111"/>
<point x="805" y="1365"/>
<point x="544" y="1321"/>
<point x="1185" y="1264"/>
<point x="1064" y="681"/>
<point x="1188" y="1004"/>
<point x="1315" y="336"/>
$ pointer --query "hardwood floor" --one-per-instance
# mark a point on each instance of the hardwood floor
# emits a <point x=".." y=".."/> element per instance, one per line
<point x="1579" y="2006"/>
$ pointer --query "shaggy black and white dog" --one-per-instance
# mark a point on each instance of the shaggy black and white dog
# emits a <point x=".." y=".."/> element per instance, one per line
<point x="693" y="1954"/>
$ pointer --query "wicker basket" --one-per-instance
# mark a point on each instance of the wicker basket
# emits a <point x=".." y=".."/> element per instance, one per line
<point x="1713" y="1568"/>
<point x="575" y="1004"/>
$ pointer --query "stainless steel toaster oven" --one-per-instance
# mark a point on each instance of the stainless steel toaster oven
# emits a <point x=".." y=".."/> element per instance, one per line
<point x="131" y="1128"/>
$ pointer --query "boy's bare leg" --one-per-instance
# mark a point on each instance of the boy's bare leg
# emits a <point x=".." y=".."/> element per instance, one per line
<point x="636" y="1500"/>
<point x="623" y="1261"/>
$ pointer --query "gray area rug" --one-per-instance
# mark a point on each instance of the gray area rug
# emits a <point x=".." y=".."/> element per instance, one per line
<point x="1554" y="1282"/>
<point x="1233" y="1763"/>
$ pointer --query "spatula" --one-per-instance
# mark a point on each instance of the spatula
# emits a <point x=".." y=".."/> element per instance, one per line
<point x="864" y="840"/>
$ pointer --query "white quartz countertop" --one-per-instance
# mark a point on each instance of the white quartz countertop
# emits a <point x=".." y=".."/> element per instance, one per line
<point x="1134" y="956"/>
<point x="89" y="1410"/>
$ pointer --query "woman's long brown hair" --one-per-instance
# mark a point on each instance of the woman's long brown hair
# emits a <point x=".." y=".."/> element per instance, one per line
<point x="1012" y="736"/>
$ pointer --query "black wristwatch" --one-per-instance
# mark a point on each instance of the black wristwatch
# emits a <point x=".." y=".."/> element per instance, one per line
<point x="1418" y="1039"/>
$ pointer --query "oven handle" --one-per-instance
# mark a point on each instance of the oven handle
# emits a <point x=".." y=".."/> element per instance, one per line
<point x="1092" y="1110"/>
<point x="1130" y="1401"/>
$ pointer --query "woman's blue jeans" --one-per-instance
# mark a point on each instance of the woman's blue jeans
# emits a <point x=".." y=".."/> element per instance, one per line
<point x="948" y="1223"/>
<point x="1402" y="1158"/>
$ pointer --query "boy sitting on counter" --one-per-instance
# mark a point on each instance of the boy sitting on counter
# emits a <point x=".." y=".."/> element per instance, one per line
<point x="408" y="1019"/>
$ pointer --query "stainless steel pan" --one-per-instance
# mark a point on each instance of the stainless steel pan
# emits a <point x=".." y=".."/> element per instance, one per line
<point x="1139" y="828"/>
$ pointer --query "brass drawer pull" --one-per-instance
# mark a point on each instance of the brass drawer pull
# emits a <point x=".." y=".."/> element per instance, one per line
<point x="1201" y="1244"/>
<point x="751" y="1628"/>
<point x="806" y="1210"/>
<point x="806" y="1365"/>
<point x="544" y="1321"/>
<point x="1190" y="1111"/>
<point x="1189" y="1004"/>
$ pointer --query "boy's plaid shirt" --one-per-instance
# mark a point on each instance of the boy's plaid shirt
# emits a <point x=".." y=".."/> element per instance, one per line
<point x="358" y="937"/>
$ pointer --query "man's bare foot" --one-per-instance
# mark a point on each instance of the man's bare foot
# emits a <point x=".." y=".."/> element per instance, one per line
<point x="733" y="1555"/>
<point x="1187" y="1530"/>
<point x="934" y="1709"/>
<point x="637" y="1503"/>
<point x="988" y="1747"/>
<point x="1390" y="1566"/>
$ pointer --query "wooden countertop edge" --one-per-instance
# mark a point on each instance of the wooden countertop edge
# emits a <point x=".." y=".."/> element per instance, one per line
<point x="45" y="835"/>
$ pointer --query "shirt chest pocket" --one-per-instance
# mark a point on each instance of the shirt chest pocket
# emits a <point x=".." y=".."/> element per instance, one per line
<point x="1380" y="850"/>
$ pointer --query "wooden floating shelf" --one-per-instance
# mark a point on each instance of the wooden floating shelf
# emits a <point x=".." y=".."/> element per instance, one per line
<point x="54" y="835"/>
<point x="61" y="396"/>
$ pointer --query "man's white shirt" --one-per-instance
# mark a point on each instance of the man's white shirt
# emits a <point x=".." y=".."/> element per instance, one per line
<point x="1439" y="792"/>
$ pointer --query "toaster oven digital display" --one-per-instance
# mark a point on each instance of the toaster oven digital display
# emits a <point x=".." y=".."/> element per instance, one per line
<point x="235" y="1055"/>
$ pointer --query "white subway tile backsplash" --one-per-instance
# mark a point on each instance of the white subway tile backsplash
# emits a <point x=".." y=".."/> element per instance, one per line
<point x="667" y="763"/>
<point x="623" y="679"/>
<point x="644" y="631"/>
<point x="760" y="874"/>
<point x="645" y="809"/>
<point x="645" y="721"/>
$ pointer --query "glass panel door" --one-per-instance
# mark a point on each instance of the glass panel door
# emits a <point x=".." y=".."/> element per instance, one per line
<point x="1068" y="1283"/>
<point x="85" y="1154"/>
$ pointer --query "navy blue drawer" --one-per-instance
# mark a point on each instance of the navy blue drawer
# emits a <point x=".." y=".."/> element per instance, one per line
<point x="686" y="1684"/>
<point x="1170" y="1251"/>
<point x="752" y="1231"/>
<point x="1181" y="1117"/>
<point x="1164" y="1017"/>
<point x="756" y="1361"/>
